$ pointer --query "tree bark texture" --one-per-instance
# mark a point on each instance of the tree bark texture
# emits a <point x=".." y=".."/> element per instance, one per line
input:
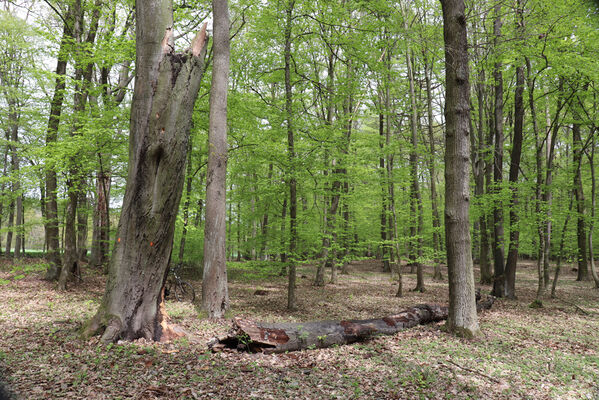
<point x="166" y="87"/>
<point x="215" y="295"/>
<point x="462" y="317"/>
<point x="252" y="336"/>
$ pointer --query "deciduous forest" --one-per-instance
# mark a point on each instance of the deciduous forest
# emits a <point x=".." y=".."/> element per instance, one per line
<point x="279" y="199"/>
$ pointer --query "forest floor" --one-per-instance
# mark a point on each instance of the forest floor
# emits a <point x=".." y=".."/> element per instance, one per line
<point x="542" y="353"/>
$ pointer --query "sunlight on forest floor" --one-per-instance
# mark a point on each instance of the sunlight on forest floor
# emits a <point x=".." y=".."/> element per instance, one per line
<point x="546" y="353"/>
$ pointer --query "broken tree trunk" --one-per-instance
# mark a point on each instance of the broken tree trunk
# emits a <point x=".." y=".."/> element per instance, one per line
<point x="252" y="336"/>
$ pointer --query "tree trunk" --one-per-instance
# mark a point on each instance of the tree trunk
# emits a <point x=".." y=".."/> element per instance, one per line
<point x="186" y="204"/>
<point x="437" y="275"/>
<point x="498" y="249"/>
<point x="101" y="232"/>
<point x="462" y="317"/>
<point x="10" y="228"/>
<point x="82" y="224"/>
<point x="292" y="181"/>
<point x="166" y="87"/>
<point x="251" y="336"/>
<point x="51" y="221"/>
<point x="512" y="258"/>
<point x="591" y="158"/>
<point x="75" y="183"/>
<point x="581" y="234"/>
<point x="415" y="197"/>
<point x="384" y="194"/>
<point x="215" y="294"/>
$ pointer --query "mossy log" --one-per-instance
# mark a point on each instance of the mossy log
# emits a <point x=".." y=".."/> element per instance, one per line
<point x="252" y="336"/>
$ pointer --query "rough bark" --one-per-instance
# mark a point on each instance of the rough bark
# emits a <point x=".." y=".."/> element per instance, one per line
<point x="215" y="294"/>
<point x="252" y="336"/>
<point x="166" y="87"/>
<point x="462" y="317"/>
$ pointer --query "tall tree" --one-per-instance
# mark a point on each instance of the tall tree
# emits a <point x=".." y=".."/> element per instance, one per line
<point x="512" y="258"/>
<point x="498" y="250"/>
<point x="166" y="87"/>
<point x="292" y="180"/>
<point x="215" y="295"/>
<point x="462" y="305"/>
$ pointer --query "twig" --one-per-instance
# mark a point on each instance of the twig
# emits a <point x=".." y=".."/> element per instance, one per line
<point x="576" y="306"/>
<point x="474" y="371"/>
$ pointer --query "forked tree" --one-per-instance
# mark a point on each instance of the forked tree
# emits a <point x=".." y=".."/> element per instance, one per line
<point x="166" y="87"/>
<point x="462" y="317"/>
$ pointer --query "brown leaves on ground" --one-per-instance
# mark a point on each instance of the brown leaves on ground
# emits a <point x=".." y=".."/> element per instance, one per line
<point x="546" y="353"/>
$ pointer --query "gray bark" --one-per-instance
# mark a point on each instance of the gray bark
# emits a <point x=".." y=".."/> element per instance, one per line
<point x="462" y="317"/>
<point x="252" y="336"/>
<point x="215" y="295"/>
<point x="166" y="87"/>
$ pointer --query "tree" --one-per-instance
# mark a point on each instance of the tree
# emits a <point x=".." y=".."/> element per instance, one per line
<point x="462" y="317"/>
<point x="166" y="87"/>
<point x="215" y="295"/>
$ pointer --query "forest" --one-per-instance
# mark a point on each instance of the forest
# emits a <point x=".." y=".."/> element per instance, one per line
<point x="235" y="199"/>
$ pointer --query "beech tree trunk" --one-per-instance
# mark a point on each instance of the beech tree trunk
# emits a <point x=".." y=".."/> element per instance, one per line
<point x="583" y="271"/>
<point x="215" y="295"/>
<point x="291" y="179"/>
<point x="498" y="243"/>
<point x="591" y="157"/>
<point x="462" y="307"/>
<point x="252" y="336"/>
<point x="166" y="87"/>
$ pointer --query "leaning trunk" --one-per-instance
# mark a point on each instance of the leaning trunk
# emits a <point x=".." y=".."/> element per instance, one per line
<point x="166" y="87"/>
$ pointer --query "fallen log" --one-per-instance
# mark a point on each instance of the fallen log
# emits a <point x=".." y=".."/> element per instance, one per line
<point x="254" y="337"/>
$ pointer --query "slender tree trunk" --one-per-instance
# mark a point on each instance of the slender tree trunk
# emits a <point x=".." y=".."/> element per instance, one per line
<point x="82" y="224"/>
<point x="291" y="298"/>
<point x="415" y="197"/>
<point x="462" y="317"/>
<point x="166" y="87"/>
<point x="558" y="263"/>
<point x="215" y="295"/>
<point x="583" y="272"/>
<point x="498" y="250"/>
<point x="547" y="195"/>
<point x="75" y="183"/>
<point x="10" y="228"/>
<point x="512" y="258"/>
<point x="186" y="204"/>
<point x="437" y="275"/>
<point x="484" y="155"/>
<point x="264" y="225"/>
<point x="384" y="195"/>
<point x="591" y="158"/>
<point x="13" y="120"/>
<point x="51" y="221"/>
